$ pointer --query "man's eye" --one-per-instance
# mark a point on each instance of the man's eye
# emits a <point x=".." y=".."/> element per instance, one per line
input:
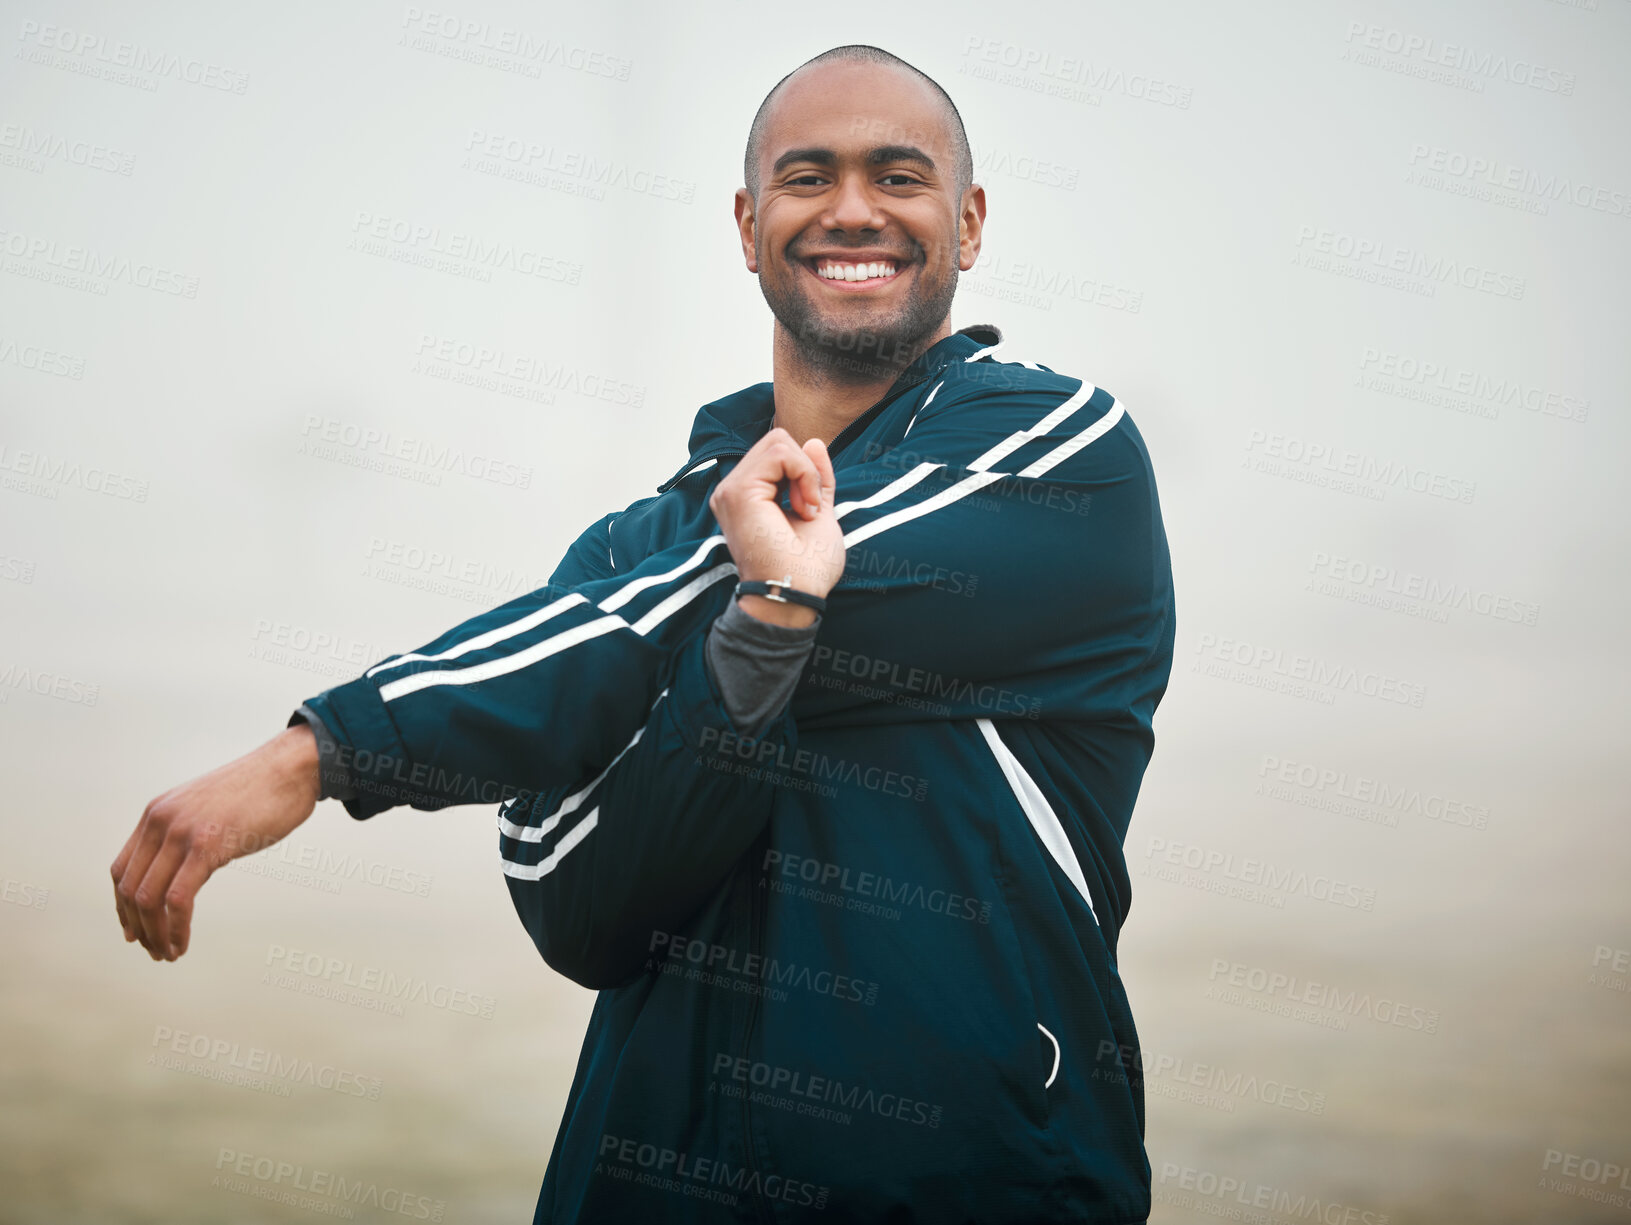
<point x="900" y="180"/>
<point x="805" y="180"/>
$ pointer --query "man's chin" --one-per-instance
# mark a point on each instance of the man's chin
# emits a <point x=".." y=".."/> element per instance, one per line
<point x="858" y="348"/>
<point x="854" y="338"/>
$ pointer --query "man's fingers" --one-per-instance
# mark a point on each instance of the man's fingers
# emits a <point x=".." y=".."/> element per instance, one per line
<point x="127" y="918"/>
<point x="195" y="870"/>
<point x="150" y="894"/>
<point x="827" y="482"/>
<point x="775" y="458"/>
<point x="136" y="858"/>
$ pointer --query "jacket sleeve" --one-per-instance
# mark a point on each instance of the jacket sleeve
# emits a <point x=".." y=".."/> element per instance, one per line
<point x="595" y="868"/>
<point x="589" y="709"/>
<point x="537" y="693"/>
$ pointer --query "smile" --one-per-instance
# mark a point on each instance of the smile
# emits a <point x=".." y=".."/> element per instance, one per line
<point x="861" y="275"/>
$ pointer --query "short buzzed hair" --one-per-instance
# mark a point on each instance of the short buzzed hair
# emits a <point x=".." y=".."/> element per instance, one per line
<point x="963" y="171"/>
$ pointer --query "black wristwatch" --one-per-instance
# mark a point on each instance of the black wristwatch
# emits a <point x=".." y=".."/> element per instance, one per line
<point x="782" y="592"/>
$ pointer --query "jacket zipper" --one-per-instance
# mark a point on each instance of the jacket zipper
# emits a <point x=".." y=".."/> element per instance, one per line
<point x="755" y="948"/>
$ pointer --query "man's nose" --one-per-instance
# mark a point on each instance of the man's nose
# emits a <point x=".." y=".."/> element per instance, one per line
<point x="854" y="205"/>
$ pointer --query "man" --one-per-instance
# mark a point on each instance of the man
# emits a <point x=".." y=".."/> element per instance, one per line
<point x="843" y="854"/>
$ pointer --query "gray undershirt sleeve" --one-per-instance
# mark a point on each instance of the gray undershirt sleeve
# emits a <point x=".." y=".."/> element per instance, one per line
<point x="336" y="781"/>
<point x="756" y="665"/>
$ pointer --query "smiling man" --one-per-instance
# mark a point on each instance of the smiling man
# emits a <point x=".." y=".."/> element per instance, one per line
<point x="817" y="764"/>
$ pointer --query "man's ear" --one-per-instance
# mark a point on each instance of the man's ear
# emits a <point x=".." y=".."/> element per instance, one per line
<point x="970" y="226"/>
<point x="744" y="228"/>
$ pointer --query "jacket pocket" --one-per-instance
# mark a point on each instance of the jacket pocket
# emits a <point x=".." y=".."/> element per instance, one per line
<point x="1027" y="1052"/>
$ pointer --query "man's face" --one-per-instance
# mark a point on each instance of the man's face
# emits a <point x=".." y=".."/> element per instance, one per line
<point x="856" y="232"/>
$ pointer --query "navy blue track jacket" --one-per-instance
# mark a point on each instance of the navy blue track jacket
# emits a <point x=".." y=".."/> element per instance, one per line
<point x="863" y="967"/>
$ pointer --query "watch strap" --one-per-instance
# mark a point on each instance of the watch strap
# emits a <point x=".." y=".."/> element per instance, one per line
<point x="782" y="591"/>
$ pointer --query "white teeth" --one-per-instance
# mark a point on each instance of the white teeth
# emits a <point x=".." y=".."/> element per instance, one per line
<point x="855" y="272"/>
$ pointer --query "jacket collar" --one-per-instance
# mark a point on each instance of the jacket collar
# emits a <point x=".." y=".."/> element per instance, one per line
<point x="728" y="427"/>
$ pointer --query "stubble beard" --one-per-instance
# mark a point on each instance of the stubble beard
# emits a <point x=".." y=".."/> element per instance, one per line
<point x="865" y="352"/>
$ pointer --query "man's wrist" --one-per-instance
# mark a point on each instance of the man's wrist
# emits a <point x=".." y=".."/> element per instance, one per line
<point x="334" y="781"/>
<point x="774" y="612"/>
<point x="298" y="745"/>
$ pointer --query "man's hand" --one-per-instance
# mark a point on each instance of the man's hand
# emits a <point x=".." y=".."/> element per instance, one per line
<point x="768" y="544"/>
<point x="195" y="828"/>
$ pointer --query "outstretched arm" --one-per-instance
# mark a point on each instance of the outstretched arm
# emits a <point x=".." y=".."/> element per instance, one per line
<point x="534" y="696"/>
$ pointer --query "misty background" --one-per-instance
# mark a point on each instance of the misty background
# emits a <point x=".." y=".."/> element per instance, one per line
<point x="1356" y="270"/>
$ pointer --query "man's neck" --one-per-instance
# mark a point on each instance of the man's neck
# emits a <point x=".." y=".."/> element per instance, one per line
<point x="814" y="401"/>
